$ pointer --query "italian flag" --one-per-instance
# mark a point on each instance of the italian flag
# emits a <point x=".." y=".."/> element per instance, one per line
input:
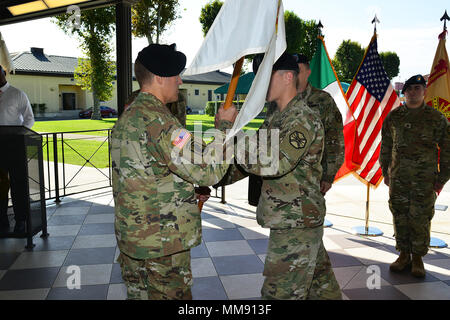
<point x="323" y="76"/>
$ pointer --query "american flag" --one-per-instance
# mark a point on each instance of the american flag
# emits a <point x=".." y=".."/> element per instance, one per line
<point x="371" y="97"/>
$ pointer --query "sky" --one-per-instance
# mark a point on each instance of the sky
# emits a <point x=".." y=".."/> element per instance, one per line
<point x="409" y="28"/>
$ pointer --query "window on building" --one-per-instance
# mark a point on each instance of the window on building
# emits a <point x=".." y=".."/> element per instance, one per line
<point x="210" y="95"/>
<point x="196" y="92"/>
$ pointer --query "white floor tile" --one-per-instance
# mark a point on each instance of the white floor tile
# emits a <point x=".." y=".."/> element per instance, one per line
<point x="426" y="291"/>
<point x="203" y="267"/>
<point x="229" y="248"/>
<point x="439" y="268"/>
<point x="369" y="256"/>
<point x="117" y="292"/>
<point x="40" y="259"/>
<point x="89" y="275"/>
<point x="243" y="286"/>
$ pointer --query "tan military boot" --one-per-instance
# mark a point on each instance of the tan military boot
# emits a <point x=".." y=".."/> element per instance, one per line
<point x="401" y="263"/>
<point x="417" y="270"/>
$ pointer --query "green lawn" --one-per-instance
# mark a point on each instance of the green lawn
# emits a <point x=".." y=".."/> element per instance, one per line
<point x="87" y="147"/>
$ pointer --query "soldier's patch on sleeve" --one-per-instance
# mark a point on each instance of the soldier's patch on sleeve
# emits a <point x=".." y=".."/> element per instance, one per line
<point x="295" y="143"/>
<point x="181" y="138"/>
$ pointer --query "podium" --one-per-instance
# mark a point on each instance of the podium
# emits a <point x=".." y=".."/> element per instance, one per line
<point x="22" y="160"/>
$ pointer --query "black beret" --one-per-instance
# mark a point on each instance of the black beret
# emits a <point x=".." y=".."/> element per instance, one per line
<point x="286" y="62"/>
<point x="417" y="79"/>
<point x="162" y="60"/>
<point x="301" y="58"/>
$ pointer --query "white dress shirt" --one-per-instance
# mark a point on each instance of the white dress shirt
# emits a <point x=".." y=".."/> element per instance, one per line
<point x="15" y="108"/>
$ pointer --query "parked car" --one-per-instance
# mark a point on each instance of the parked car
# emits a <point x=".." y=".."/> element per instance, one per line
<point x="188" y="110"/>
<point x="105" y="111"/>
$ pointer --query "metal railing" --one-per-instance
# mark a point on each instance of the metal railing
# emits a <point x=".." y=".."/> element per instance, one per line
<point x="70" y="165"/>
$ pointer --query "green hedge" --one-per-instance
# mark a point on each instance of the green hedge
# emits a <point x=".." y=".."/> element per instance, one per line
<point x="211" y="105"/>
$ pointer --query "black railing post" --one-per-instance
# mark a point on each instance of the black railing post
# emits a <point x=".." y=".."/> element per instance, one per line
<point x="55" y="162"/>
<point x="223" y="195"/>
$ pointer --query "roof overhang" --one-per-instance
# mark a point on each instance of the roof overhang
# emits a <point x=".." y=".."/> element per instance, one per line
<point x="6" y="17"/>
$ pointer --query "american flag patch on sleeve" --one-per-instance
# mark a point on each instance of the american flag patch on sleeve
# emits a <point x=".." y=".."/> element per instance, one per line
<point x="182" y="137"/>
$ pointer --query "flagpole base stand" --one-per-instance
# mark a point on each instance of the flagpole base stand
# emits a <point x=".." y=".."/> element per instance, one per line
<point x="437" y="243"/>
<point x="369" y="232"/>
<point x="327" y="224"/>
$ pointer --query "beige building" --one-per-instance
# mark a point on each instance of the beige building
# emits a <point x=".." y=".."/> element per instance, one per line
<point x="48" y="80"/>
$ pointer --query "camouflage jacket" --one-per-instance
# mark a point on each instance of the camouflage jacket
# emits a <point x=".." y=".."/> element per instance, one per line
<point x="334" y="152"/>
<point x="290" y="197"/>
<point x="155" y="207"/>
<point x="410" y="141"/>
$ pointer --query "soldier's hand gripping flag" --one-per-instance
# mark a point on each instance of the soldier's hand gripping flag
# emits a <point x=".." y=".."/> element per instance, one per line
<point x="244" y="27"/>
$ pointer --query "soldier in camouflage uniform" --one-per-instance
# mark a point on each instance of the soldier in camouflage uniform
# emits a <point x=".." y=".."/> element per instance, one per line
<point x="297" y="265"/>
<point x="323" y="104"/>
<point x="157" y="218"/>
<point x="411" y="135"/>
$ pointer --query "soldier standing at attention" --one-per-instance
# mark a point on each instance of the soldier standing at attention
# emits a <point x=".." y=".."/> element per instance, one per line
<point x="323" y="104"/>
<point x="157" y="220"/>
<point x="411" y="135"/>
<point x="297" y="265"/>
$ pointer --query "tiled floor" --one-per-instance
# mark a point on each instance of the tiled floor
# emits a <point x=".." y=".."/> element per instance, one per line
<point x="227" y="265"/>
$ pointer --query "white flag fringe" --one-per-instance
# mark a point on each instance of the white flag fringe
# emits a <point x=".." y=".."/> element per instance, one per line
<point x="5" y="58"/>
<point x="244" y="27"/>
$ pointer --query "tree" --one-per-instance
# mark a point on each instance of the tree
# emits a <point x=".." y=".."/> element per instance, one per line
<point x="346" y="62"/>
<point x="391" y="63"/>
<point x="301" y="35"/>
<point x="208" y="14"/>
<point x="94" y="31"/>
<point x="150" y="18"/>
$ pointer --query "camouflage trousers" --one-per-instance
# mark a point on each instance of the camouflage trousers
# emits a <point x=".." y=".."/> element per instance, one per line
<point x="412" y="207"/>
<point x="297" y="267"/>
<point x="164" y="278"/>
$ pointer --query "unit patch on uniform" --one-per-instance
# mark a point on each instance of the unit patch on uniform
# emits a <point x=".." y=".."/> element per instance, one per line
<point x="297" y="140"/>
<point x="182" y="137"/>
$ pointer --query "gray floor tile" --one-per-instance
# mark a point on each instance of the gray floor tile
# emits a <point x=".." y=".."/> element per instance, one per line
<point x="209" y="288"/>
<point x="259" y="245"/>
<point x="210" y="235"/>
<point x="100" y="209"/>
<point x="90" y="256"/>
<point x="12" y="245"/>
<point x="432" y="255"/>
<point x="7" y="259"/>
<point x="29" y="294"/>
<point x="96" y="229"/>
<point x="243" y="286"/>
<point x="66" y="220"/>
<point x="426" y="291"/>
<point x="203" y="267"/>
<point x="116" y="274"/>
<point x="385" y="293"/>
<point x="199" y="251"/>
<point x="60" y="231"/>
<point x="53" y="243"/>
<point x="217" y="224"/>
<point x="229" y="248"/>
<point x="40" y="259"/>
<point x="100" y="218"/>
<point x="339" y="258"/>
<point x="238" y="265"/>
<point x="29" y="279"/>
<point x="77" y="203"/>
<point x="90" y="292"/>
<point x="71" y="211"/>
<point x="95" y="241"/>
<point x="447" y="282"/>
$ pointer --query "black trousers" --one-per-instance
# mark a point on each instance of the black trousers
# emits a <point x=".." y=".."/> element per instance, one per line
<point x="11" y="178"/>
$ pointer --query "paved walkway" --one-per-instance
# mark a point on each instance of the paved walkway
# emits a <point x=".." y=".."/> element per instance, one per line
<point x="229" y="262"/>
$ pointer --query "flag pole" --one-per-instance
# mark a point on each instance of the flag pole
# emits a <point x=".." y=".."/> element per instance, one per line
<point x="436" y="242"/>
<point x="366" y="230"/>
